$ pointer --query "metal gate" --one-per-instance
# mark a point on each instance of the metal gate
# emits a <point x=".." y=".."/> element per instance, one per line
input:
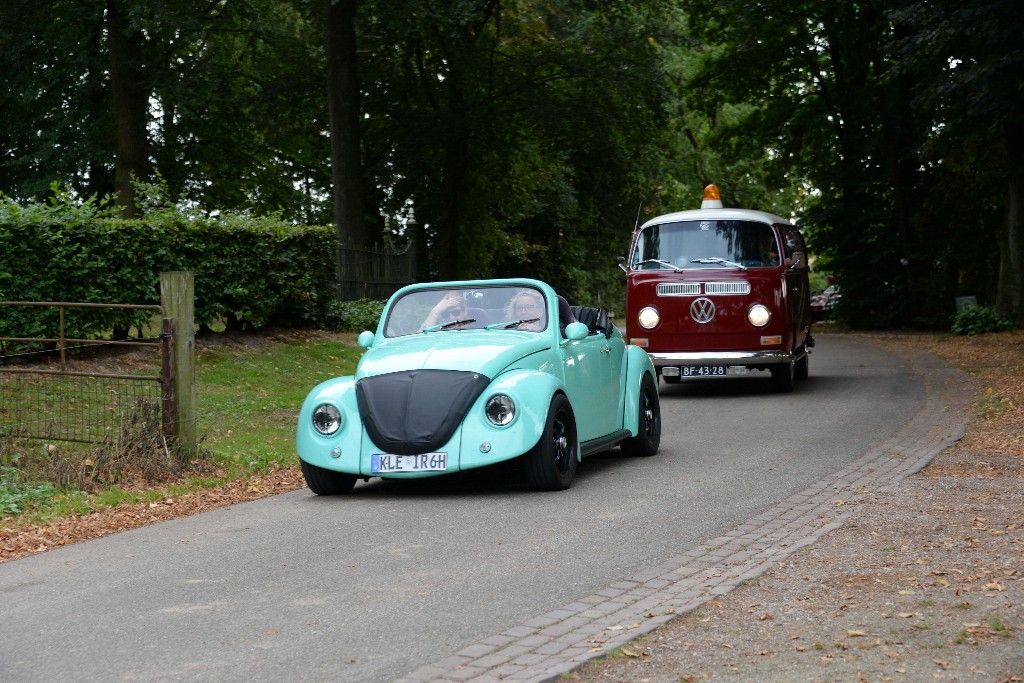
<point x="374" y="273"/>
<point x="42" y="397"/>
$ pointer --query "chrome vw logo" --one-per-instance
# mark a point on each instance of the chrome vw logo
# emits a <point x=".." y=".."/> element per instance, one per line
<point x="702" y="310"/>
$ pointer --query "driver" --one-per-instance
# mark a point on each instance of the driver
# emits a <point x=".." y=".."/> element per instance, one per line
<point x="451" y="307"/>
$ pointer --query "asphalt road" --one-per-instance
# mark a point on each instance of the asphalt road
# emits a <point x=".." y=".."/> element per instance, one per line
<point x="397" y="575"/>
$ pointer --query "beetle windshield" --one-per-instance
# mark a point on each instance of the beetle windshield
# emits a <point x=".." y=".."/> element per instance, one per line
<point x="706" y="244"/>
<point x="448" y="309"/>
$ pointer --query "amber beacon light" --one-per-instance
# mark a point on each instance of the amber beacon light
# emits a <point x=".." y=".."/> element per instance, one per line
<point x="712" y="198"/>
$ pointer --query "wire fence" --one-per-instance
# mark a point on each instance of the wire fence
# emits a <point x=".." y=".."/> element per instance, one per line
<point x="75" y="407"/>
<point x="45" y="395"/>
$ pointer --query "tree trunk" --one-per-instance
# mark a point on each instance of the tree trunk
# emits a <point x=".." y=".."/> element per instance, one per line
<point x="448" y="257"/>
<point x="130" y="100"/>
<point x="454" y="177"/>
<point x="1010" y="287"/>
<point x="343" y="109"/>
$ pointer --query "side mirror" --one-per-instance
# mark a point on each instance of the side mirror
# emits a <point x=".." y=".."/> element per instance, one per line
<point x="365" y="339"/>
<point x="576" y="331"/>
<point x="622" y="264"/>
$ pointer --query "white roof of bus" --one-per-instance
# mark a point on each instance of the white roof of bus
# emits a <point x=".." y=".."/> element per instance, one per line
<point x="717" y="215"/>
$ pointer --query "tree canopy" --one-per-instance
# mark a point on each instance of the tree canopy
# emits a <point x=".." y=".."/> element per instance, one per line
<point x="518" y="137"/>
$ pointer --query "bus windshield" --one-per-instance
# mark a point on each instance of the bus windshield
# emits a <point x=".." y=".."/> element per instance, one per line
<point x="706" y="244"/>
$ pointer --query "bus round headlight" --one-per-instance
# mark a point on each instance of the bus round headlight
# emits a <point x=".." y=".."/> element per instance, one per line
<point x="758" y="315"/>
<point x="500" y="410"/>
<point x="649" y="317"/>
<point x="326" y="419"/>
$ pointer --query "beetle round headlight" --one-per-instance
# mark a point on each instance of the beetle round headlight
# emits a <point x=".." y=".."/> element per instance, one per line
<point x="326" y="419"/>
<point x="500" y="410"/>
<point x="649" y="317"/>
<point x="758" y="315"/>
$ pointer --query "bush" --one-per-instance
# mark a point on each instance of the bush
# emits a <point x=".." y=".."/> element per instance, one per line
<point x="250" y="271"/>
<point x="355" y="316"/>
<point x="979" y="320"/>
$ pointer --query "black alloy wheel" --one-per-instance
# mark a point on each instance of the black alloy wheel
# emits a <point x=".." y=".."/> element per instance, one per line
<point x="551" y="464"/>
<point x="648" y="437"/>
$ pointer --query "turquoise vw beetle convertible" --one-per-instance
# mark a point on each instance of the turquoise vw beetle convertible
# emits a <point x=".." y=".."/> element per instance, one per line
<point x="461" y="375"/>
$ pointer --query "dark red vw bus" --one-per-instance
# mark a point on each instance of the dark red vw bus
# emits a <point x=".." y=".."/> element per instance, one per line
<point x="719" y="292"/>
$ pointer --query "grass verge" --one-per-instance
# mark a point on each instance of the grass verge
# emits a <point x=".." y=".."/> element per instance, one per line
<point x="249" y="390"/>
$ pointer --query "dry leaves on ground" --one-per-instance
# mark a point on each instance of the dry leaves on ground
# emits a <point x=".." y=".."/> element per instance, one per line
<point x="21" y="541"/>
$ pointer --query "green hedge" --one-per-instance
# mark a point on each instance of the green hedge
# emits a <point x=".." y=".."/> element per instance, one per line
<point x="249" y="271"/>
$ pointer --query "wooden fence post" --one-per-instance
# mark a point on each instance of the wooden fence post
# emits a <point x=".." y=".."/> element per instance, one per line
<point x="177" y="296"/>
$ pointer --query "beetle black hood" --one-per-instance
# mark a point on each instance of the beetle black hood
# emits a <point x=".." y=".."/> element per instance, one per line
<point x="416" y="411"/>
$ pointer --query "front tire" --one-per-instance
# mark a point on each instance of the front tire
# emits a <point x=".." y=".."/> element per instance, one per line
<point x="324" y="482"/>
<point x="784" y="376"/>
<point x="551" y="464"/>
<point x="648" y="435"/>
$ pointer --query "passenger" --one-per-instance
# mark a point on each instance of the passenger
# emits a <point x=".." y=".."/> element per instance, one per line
<point x="528" y="304"/>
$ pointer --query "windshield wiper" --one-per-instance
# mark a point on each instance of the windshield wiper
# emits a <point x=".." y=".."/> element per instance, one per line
<point x="449" y="325"/>
<point x="509" y="324"/>
<point x="658" y="261"/>
<point x="720" y="261"/>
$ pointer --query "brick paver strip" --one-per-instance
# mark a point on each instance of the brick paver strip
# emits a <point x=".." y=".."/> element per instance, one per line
<point x="560" y="641"/>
